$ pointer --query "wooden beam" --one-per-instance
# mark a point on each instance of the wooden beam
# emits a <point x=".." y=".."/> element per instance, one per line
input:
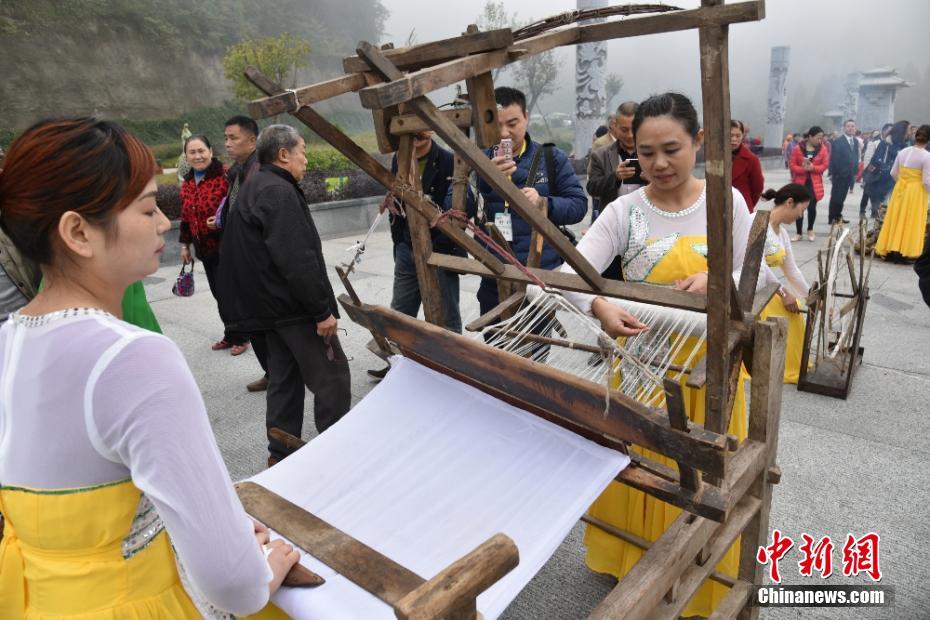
<point x="672" y="21"/>
<point x="734" y="601"/>
<point x="484" y="109"/>
<point x="381" y="120"/>
<point x="495" y="314"/>
<point x="383" y="347"/>
<point x="411" y="123"/>
<point x="424" y="81"/>
<point x="356" y="561"/>
<point x="715" y="86"/>
<point x="285" y="101"/>
<point x="539" y="387"/>
<point x="488" y="171"/>
<point x="462" y="581"/>
<point x="345" y="145"/>
<point x="710" y="502"/>
<point x="678" y="418"/>
<point x="764" y="415"/>
<point x="696" y="574"/>
<point x="505" y="288"/>
<point x="421" y="240"/>
<point x="643" y="588"/>
<point x="752" y="261"/>
<point x="634" y="291"/>
<point x="642" y="543"/>
<point x="435" y="52"/>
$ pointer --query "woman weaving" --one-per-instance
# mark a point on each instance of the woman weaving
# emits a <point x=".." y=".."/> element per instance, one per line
<point x="660" y="234"/>
<point x="116" y="500"/>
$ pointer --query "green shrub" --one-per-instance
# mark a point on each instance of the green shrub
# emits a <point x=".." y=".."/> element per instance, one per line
<point x="166" y="179"/>
<point x="328" y="160"/>
<point x="168" y="199"/>
<point x="6" y="136"/>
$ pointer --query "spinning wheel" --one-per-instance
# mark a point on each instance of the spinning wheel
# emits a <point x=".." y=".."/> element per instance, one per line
<point x="835" y="317"/>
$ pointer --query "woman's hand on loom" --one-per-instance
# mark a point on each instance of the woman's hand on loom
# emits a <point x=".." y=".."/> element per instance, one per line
<point x="616" y="321"/>
<point x="281" y="557"/>
<point x="789" y="301"/>
<point x="695" y="283"/>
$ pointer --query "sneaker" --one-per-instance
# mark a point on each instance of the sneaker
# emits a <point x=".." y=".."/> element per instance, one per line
<point x="259" y="385"/>
<point x="379" y="374"/>
<point x="810" y="235"/>
<point x="796" y="237"/>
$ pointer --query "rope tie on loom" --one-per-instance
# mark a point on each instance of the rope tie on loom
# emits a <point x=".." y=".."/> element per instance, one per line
<point x="510" y="258"/>
<point x="297" y="104"/>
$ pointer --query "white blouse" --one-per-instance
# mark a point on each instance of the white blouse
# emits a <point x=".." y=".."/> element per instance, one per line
<point x="642" y="234"/>
<point x="87" y="399"/>
<point x="797" y="283"/>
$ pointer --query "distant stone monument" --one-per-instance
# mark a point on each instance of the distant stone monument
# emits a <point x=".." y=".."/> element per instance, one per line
<point x="877" y="91"/>
<point x="590" y="87"/>
<point x="778" y="94"/>
<point x="850" y="106"/>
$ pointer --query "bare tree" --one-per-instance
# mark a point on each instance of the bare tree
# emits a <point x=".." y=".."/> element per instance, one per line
<point x="537" y="75"/>
<point x="613" y="87"/>
<point x="494" y="17"/>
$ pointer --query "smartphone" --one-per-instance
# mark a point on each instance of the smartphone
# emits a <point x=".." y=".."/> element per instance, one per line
<point x="505" y="149"/>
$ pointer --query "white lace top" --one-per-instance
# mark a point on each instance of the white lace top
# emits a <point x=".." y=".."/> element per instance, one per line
<point x="87" y="399"/>
<point x="642" y="234"/>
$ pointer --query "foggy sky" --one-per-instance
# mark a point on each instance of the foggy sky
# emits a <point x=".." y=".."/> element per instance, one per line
<point x="828" y="39"/>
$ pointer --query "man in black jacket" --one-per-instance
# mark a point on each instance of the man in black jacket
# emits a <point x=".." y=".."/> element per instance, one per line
<point x="274" y="281"/>
<point x="844" y="164"/>
<point x="435" y="166"/>
<point x="240" y="134"/>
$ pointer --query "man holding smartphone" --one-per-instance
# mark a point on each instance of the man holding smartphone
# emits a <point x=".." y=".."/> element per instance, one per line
<point x="614" y="169"/>
<point x="566" y="201"/>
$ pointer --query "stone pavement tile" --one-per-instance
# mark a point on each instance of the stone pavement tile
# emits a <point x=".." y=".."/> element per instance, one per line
<point x="836" y="484"/>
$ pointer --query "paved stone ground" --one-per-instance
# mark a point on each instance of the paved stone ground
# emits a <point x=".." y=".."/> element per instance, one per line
<point x="848" y="466"/>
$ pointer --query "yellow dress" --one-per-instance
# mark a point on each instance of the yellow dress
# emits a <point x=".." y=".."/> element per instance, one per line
<point x="80" y="554"/>
<point x="776" y="307"/>
<point x="904" y="228"/>
<point x="641" y="514"/>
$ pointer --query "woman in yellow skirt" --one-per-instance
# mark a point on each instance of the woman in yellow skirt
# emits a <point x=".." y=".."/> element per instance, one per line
<point x="790" y="202"/>
<point x="116" y="501"/>
<point x="660" y="234"/>
<point x="904" y="229"/>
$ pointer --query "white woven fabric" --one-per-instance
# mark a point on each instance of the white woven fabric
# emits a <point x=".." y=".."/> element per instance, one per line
<point x="425" y="469"/>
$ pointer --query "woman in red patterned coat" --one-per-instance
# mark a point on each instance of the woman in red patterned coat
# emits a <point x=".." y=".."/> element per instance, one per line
<point x="808" y="163"/>
<point x="204" y="188"/>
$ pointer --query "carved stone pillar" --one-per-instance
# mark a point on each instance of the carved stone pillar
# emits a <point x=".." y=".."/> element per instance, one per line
<point x="590" y="79"/>
<point x="778" y="94"/>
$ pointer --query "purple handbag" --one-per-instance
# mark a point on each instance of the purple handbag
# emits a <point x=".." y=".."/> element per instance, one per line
<point x="184" y="286"/>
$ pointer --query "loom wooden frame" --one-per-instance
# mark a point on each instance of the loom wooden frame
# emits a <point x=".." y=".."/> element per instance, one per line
<point x="724" y="488"/>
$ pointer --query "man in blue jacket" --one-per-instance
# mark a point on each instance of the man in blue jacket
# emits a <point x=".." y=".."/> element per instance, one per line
<point x="567" y="201"/>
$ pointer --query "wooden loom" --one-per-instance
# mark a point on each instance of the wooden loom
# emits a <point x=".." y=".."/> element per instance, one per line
<point x="725" y="489"/>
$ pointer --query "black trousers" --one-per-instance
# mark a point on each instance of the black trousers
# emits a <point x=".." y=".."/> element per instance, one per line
<point x="811" y="209"/>
<point x="298" y="357"/>
<point x="841" y="187"/>
<point x="211" y="266"/>
<point x="260" y="346"/>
